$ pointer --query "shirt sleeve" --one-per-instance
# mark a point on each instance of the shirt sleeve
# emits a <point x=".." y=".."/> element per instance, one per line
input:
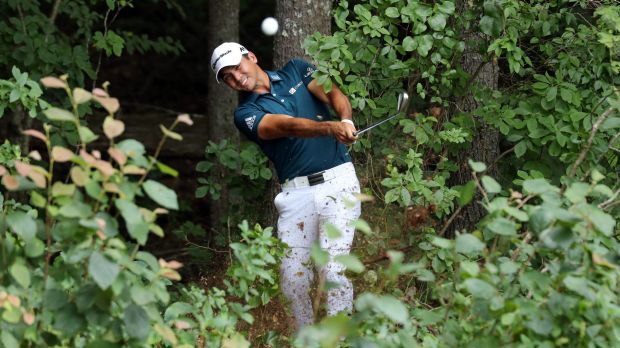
<point x="304" y="69"/>
<point x="247" y="118"/>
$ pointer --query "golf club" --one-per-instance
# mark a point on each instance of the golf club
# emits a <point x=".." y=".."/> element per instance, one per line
<point x="403" y="102"/>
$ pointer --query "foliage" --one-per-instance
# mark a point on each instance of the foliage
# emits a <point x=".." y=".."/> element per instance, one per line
<point x="242" y="168"/>
<point x="541" y="271"/>
<point x="65" y="36"/>
<point x="76" y="272"/>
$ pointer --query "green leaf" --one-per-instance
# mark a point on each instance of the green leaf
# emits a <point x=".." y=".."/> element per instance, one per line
<point x="136" y="226"/>
<point x="8" y="340"/>
<point x="22" y="225"/>
<point x="392" y="308"/>
<point x="409" y="44"/>
<point x="491" y="26"/>
<point x="87" y="135"/>
<point x="580" y="286"/>
<point x="392" y="12"/>
<point x="468" y="243"/>
<point x="332" y="231"/>
<point x="20" y="273"/>
<point x="479" y="288"/>
<point x="537" y="186"/>
<point x="425" y="43"/>
<point x="437" y="22"/>
<point x="161" y="194"/>
<point x="467" y="192"/>
<point x="351" y="262"/>
<point x="102" y="270"/>
<point x="602" y="221"/>
<point x="490" y="184"/>
<point x="75" y="209"/>
<point x="170" y="134"/>
<point x="442" y="242"/>
<point x="557" y="237"/>
<point x="137" y="323"/>
<point x="521" y="148"/>
<point x="319" y="256"/>
<point x="167" y="169"/>
<point x="477" y="166"/>
<point x="503" y="227"/>
<point x="56" y="114"/>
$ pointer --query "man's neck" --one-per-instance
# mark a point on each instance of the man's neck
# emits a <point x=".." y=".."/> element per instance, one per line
<point x="263" y="84"/>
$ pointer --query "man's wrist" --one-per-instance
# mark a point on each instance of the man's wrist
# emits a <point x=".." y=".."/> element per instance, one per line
<point x="346" y="120"/>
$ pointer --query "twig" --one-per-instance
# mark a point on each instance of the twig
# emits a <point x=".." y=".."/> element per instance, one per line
<point x="450" y="220"/>
<point x="610" y="200"/>
<point x="585" y="150"/>
<point x="54" y="12"/>
<point x="205" y="247"/>
<point x="161" y="108"/>
<point x="526" y="240"/>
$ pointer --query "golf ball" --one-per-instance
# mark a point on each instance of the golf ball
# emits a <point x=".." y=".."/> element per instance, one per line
<point x="269" y="26"/>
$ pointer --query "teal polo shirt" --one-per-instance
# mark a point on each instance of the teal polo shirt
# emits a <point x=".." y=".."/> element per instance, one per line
<point x="289" y="95"/>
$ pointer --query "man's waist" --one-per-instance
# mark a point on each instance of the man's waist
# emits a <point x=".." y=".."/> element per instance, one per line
<point x="318" y="177"/>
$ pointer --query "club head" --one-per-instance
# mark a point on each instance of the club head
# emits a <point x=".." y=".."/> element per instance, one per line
<point x="403" y="102"/>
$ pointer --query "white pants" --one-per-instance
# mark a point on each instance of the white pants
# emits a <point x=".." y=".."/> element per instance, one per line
<point x="303" y="213"/>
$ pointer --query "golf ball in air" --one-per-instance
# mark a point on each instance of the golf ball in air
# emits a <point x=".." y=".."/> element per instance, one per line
<point x="269" y="26"/>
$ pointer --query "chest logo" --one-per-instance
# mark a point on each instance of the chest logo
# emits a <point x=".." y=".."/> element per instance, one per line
<point x="294" y="89"/>
<point x="250" y="121"/>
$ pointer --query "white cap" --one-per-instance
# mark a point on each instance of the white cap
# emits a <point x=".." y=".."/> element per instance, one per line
<point x="226" y="54"/>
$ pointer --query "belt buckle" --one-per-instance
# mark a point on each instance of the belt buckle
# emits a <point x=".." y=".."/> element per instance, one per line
<point x="316" y="178"/>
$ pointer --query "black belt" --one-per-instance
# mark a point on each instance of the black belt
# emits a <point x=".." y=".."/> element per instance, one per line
<point x="316" y="178"/>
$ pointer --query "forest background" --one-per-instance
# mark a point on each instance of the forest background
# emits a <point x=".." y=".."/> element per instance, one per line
<point x="132" y="214"/>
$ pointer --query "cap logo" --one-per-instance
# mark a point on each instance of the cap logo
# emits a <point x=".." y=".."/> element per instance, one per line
<point x="220" y="57"/>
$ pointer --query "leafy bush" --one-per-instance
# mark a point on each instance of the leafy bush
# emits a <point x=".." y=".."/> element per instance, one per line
<point x="76" y="272"/>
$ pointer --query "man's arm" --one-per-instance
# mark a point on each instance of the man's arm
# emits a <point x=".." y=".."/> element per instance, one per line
<point x="340" y="103"/>
<point x="273" y="126"/>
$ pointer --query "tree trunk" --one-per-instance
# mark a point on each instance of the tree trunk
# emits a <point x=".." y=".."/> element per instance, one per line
<point x="223" y="21"/>
<point x="299" y="19"/>
<point x="485" y="145"/>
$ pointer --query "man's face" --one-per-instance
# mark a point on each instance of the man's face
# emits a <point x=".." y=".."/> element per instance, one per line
<point x="241" y="77"/>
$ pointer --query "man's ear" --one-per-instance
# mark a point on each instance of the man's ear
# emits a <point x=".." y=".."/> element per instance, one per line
<point x="252" y="57"/>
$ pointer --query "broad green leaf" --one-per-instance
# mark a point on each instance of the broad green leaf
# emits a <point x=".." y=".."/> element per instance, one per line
<point x="161" y="194"/>
<point x="141" y="295"/>
<point x="437" y="22"/>
<point x="409" y="44"/>
<point x="34" y="248"/>
<point x="521" y="148"/>
<point x="8" y="340"/>
<point x="540" y="219"/>
<point x="21" y="274"/>
<point x="236" y="341"/>
<point x="477" y="166"/>
<point x="425" y="43"/>
<point x="537" y="186"/>
<point x="102" y="270"/>
<point x="502" y="226"/>
<point x="442" y="242"/>
<point x="557" y="237"/>
<point x="137" y="323"/>
<point x="56" y="114"/>
<point x="75" y="209"/>
<point x="392" y="308"/>
<point x="319" y="256"/>
<point x="392" y="12"/>
<point x="479" y="288"/>
<point x="332" y="231"/>
<point x="490" y="185"/>
<point x="602" y="221"/>
<point x="22" y="225"/>
<point x="577" y="192"/>
<point x="468" y="243"/>
<point x="136" y="226"/>
<point x="351" y="262"/>
<point x="467" y="192"/>
<point x="580" y="286"/>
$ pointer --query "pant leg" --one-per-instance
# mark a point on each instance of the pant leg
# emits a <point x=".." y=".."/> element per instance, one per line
<point x="339" y="207"/>
<point x="297" y="227"/>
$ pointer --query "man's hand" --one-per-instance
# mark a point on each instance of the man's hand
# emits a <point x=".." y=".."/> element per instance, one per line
<point x="344" y="132"/>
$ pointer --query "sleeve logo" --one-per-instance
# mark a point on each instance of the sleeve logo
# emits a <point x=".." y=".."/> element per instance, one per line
<point x="249" y="121"/>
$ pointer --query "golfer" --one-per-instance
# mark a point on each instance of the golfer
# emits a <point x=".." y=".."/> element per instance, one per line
<point x="286" y="113"/>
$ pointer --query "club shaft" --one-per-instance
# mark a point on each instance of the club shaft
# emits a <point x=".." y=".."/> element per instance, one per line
<point x="377" y="124"/>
